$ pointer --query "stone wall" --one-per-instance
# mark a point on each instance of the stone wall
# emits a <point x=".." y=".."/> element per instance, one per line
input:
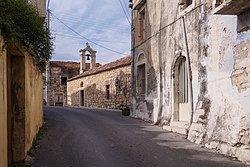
<point x="217" y="60"/>
<point x="25" y="105"/>
<point x="55" y="85"/>
<point x="3" y="104"/>
<point x="94" y="88"/>
<point x="58" y="70"/>
<point x="21" y="111"/>
<point x="33" y="101"/>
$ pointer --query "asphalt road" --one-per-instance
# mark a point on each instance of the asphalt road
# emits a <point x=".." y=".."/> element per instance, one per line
<point x="102" y="138"/>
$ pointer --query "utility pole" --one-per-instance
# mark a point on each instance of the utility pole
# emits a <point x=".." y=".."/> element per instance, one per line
<point x="47" y="83"/>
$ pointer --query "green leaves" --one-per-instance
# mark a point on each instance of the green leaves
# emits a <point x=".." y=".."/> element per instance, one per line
<point x="20" y="21"/>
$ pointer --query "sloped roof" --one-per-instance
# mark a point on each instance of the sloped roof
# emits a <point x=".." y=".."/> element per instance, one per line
<point x="106" y="67"/>
<point x="65" y="64"/>
<point x="69" y="64"/>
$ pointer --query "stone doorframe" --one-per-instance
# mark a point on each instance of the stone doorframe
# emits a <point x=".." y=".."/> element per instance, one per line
<point x="82" y="95"/>
<point x="176" y="124"/>
<point x="56" y="95"/>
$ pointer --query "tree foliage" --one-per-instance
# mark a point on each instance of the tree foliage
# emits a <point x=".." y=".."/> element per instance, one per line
<point x="20" y="21"/>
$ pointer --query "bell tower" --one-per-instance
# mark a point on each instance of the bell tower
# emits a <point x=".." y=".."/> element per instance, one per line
<point x="87" y="54"/>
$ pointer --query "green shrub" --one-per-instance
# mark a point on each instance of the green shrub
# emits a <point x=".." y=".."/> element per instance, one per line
<point x="20" y="21"/>
<point x="126" y="111"/>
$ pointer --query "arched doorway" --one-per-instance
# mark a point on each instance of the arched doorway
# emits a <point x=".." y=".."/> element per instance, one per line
<point x="182" y="98"/>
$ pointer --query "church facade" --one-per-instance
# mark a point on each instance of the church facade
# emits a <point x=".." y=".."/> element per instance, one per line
<point x="106" y="86"/>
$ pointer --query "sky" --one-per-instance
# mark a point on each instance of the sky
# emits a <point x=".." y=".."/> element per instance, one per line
<point x="101" y="21"/>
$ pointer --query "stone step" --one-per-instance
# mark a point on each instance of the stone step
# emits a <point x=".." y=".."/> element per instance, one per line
<point x="180" y="124"/>
<point x="180" y="127"/>
<point x="175" y="129"/>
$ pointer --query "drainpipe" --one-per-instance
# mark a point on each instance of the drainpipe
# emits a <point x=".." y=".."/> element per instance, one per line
<point x="132" y="64"/>
<point x="160" y="70"/>
<point x="189" y="68"/>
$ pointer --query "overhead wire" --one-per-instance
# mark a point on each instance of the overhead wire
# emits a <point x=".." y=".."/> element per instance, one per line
<point x="127" y="9"/>
<point x="104" y="47"/>
<point x="88" y="19"/>
<point x="93" y="24"/>
<point x="48" y="4"/>
<point x="124" y="12"/>
<point x="71" y="36"/>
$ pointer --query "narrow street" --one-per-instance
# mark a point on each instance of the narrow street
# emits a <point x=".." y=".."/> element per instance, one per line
<point x="103" y="138"/>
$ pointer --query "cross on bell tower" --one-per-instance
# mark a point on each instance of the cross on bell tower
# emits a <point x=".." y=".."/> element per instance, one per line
<point x="87" y="54"/>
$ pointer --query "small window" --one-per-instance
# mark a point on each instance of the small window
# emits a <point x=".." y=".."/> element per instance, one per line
<point x="81" y="84"/>
<point x="218" y="3"/>
<point x="186" y="3"/>
<point x="108" y="91"/>
<point x="141" y="57"/>
<point x="142" y="24"/>
<point x="243" y="22"/>
<point x="64" y="80"/>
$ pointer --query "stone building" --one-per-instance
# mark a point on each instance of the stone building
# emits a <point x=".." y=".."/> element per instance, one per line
<point x="190" y="70"/>
<point x="60" y="72"/>
<point x="106" y="86"/>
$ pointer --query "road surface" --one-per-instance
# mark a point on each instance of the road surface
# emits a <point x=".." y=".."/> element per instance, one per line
<point x="103" y="138"/>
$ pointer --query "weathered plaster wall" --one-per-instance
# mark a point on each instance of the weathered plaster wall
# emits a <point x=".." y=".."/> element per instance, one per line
<point x="94" y="87"/>
<point x="3" y="104"/>
<point x="165" y="42"/>
<point x="25" y="108"/>
<point x="33" y="101"/>
<point x="17" y="102"/>
<point x="144" y="104"/>
<point x="174" y="46"/>
<point x="226" y="124"/>
<point x="219" y="74"/>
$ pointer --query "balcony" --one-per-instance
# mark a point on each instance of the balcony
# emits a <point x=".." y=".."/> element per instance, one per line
<point x="231" y="7"/>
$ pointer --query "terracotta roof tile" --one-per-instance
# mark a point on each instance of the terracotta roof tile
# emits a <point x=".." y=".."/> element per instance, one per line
<point x="65" y="64"/>
<point x="69" y="64"/>
<point x="109" y="66"/>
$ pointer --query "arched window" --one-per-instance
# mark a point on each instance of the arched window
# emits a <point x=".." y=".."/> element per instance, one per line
<point x="81" y="84"/>
<point x="186" y="3"/>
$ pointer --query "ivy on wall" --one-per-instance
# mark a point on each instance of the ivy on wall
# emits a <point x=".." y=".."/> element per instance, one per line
<point x="20" y="21"/>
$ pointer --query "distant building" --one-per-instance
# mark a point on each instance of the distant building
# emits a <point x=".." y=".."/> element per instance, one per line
<point x="60" y="72"/>
<point x="105" y="86"/>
